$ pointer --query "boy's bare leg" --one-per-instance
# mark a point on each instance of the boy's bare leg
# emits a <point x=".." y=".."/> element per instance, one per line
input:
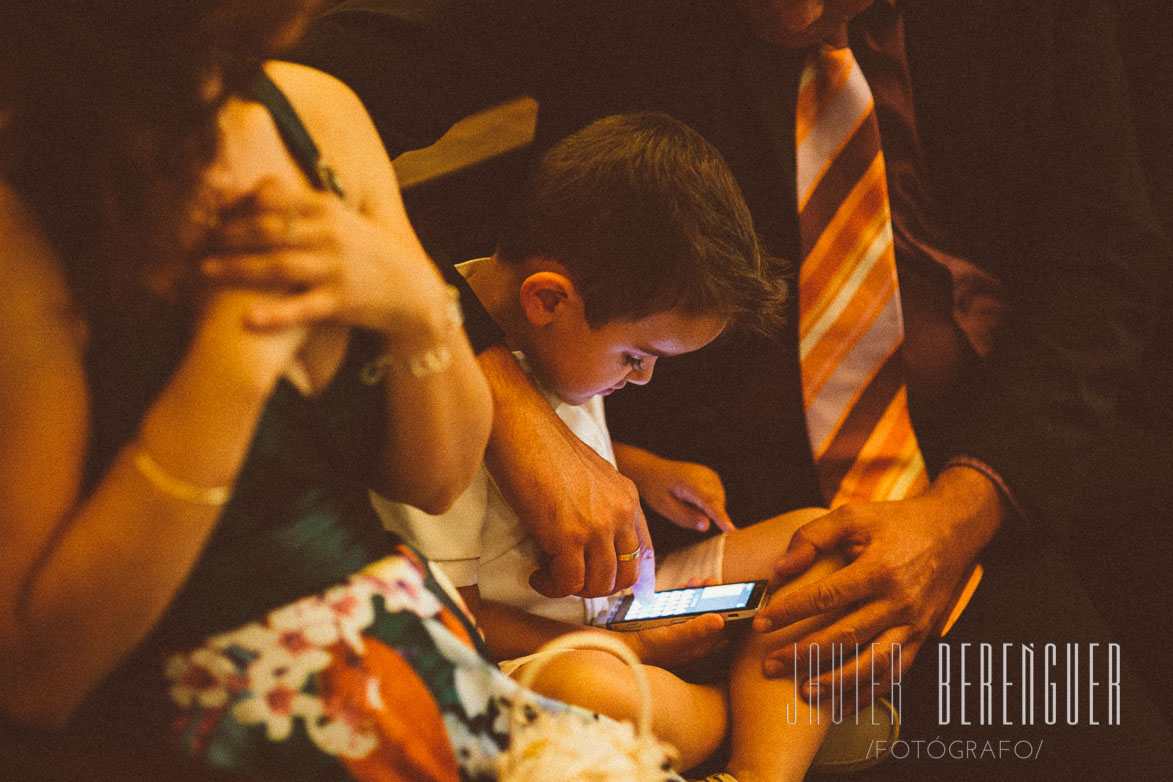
<point x="750" y="552"/>
<point x="775" y="733"/>
<point x="691" y="717"/>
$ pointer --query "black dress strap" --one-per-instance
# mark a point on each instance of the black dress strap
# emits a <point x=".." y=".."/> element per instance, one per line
<point x="296" y="137"/>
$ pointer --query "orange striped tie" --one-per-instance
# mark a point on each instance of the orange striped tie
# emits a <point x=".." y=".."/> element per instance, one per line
<point x="850" y="324"/>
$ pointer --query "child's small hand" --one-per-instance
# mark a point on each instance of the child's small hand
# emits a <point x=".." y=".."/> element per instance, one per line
<point x="672" y="646"/>
<point x="687" y="494"/>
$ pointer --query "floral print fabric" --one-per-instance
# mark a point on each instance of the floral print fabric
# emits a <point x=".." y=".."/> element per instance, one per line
<point x="374" y="679"/>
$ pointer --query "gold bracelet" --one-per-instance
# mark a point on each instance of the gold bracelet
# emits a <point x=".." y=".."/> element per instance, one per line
<point x="434" y="360"/>
<point x="175" y="487"/>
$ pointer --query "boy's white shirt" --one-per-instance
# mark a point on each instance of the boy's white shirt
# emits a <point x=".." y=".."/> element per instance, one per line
<point x="480" y="540"/>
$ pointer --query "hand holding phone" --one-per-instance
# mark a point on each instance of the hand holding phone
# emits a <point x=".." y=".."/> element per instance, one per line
<point x="675" y="647"/>
<point x="733" y="602"/>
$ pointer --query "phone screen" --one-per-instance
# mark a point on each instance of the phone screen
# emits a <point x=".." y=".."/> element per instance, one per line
<point x="696" y="600"/>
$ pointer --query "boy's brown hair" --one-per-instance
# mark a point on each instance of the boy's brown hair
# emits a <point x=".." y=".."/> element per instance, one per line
<point x="646" y="217"/>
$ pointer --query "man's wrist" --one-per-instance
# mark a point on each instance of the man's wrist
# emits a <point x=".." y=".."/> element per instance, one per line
<point x="1014" y="508"/>
<point x="977" y="503"/>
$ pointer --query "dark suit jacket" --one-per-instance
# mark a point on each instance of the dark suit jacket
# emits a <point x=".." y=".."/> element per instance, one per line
<point x="1030" y="154"/>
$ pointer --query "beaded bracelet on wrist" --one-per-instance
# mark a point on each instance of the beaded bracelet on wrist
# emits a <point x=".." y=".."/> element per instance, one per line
<point x="431" y="361"/>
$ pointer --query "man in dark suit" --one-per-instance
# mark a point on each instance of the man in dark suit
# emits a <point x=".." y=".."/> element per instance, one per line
<point x="1027" y="255"/>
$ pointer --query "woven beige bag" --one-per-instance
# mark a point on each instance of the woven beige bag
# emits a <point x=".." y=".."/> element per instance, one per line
<point x="569" y="746"/>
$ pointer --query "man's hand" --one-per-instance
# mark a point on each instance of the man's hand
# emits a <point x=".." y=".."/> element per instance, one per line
<point x="687" y="494"/>
<point x="673" y="646"/>
<point x="908" y="560"/>
<point x="583" y="513"/>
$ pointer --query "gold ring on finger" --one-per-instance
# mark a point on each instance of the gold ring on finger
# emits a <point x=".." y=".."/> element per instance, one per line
<point x="629" y="557"/>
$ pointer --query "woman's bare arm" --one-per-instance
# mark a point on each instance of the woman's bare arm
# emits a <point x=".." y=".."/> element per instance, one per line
<point x="369" y="269"/>
<point x="82" y="579"/>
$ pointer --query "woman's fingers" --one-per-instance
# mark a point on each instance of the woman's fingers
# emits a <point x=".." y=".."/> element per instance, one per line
<point x="272" y="269"/>
<point x="273" y="216"/>
<point x="314" y="305"/>
<point x="268" y="230"/>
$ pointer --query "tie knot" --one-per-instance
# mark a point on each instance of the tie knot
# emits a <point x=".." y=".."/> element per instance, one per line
<point x="825" y="73"/>
<point x="831" y="58"/>
<point x="827" y="59"/>
<point x="837" y="38"/>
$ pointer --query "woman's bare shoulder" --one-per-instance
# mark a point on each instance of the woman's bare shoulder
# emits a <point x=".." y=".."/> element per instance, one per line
<point x="341" y="127"/>
<point x="321" y="99"/>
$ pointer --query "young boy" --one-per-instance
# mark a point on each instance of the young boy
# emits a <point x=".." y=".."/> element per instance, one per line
<point x="633" y="244"/>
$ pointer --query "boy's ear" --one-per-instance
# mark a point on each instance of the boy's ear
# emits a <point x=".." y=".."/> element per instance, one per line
<point x="544" y="295"/>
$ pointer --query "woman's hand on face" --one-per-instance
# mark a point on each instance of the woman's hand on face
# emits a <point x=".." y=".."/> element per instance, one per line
<point x="325" y="261"/>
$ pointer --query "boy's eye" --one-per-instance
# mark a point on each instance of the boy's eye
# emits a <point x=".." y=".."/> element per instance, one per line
<point x="636" y="362"/>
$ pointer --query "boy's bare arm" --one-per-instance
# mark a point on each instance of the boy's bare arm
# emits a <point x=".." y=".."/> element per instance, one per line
<point x="511" y="632"/>
<point x="687" y="494"/>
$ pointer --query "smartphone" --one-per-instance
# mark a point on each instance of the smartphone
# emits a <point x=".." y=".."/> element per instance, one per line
<point x="732" y="601"/>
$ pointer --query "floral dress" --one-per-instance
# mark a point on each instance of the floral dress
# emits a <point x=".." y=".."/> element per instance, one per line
<point x="373" y="679"/>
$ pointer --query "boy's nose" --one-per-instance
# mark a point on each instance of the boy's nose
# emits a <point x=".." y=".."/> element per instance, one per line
<point x="641" y="376"/>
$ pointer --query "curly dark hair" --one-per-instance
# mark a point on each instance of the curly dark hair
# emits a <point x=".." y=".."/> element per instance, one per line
<point x="108" y="118"/>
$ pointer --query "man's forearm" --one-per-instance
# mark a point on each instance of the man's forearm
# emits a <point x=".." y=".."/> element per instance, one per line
<point x="569" y="497"/>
